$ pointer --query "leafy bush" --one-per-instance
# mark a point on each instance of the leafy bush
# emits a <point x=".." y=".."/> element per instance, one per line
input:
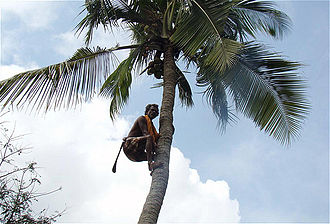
<point x="18" y="184"/>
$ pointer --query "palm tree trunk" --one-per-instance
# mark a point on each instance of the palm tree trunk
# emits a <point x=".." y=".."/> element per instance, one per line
<point x="160" y="176"/>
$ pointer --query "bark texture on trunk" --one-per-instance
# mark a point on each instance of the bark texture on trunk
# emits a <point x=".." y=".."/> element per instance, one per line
<point x="160" y="176"/>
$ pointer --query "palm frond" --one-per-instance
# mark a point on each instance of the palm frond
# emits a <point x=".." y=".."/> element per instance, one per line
<point x="117" y="87"/>
<point x="201" y="33"/>
<point x="61" y="85"/>
<point x="97" y="12"/>
<point x="266" y="89"/>
<point x="185" y="93"/>
<point x="157" y="85"/>
<point x="220" y="54"/>
<point x="137" y="33"/>
<point x="216" y="96"/>
<point x="260" y="16"/>
<point x="107" y="13"/>
<point x="168" y="19"/>
<point x="202" y="21"/>
<point x="118" y="84"/>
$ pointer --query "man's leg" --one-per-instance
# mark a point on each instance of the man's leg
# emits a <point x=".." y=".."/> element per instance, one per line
<point x="134" y="148"/>
<point x="150" y="149"/>
<point x="140" y="149"/>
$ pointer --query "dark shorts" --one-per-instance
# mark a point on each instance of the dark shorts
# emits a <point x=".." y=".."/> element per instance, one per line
<point x="134" y="148"/>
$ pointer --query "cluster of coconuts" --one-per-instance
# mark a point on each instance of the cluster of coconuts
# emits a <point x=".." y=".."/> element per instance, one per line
<point x="155" y="68"/>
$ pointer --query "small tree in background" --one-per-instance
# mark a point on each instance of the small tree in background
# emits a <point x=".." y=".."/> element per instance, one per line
<point x="18" y="184"/>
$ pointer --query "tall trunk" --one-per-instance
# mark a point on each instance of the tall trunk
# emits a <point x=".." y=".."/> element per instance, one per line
<point x="160" y="176"/>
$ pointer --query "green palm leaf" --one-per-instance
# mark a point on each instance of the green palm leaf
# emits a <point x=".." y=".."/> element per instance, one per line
<point x="202" y="21"/>
<point x="220" y="54"/>
<point x="266" y="89"/>
<point x="185" y="93"/>
<point x="201" y="32"/>
<point x="117" y="85"/>
<point x="64" y="84"/>
<point x="217" y="98"/>
<point x="260" y="16"/>
<point x="108" y="13"/>
<point x="98" y="12"/>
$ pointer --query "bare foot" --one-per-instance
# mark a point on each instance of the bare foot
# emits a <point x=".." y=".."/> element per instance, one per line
<point x="150" y="165"/>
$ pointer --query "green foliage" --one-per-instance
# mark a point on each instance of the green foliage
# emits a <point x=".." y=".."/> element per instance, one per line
<point x="185" y="93"/>
<point x="265" y="88"/>
<point x="117" y="85"/>
<point x="18" y="185"/>
<point x="261" y="16"/>
<point x="61" y="85"/>
<point x="217" y="97"/>
<point x="98" y="12"/>
<point x="203" y="21"/>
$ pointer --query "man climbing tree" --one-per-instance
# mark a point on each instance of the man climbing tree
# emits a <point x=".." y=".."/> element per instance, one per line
<point x="141" y="142"/>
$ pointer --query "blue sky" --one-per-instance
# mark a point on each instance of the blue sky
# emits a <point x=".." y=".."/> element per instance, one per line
<point x="269" y="182"/>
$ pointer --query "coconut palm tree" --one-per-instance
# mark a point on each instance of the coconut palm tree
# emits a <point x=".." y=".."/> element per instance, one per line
<point x="215" y="36"/>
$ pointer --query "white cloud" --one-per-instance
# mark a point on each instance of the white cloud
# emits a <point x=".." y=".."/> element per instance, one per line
<point x="6" y="71"/>
<point x="34" y="14"/>
<point x="68" y="43"/>
<point x="190" y="200"/>
<point x="76" y="150"/>
<point x="20" y="20"/>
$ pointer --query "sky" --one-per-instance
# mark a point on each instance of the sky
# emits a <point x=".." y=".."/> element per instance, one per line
<point x="242" y="175"/>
